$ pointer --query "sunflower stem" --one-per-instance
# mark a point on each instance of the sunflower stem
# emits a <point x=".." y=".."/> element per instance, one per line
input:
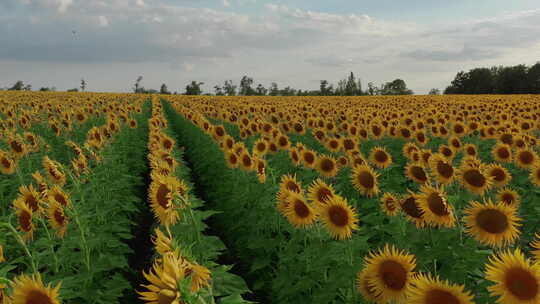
<point x="51" y="244"/>
<point x="23" y="244"/>
<point x="84" y="243"/>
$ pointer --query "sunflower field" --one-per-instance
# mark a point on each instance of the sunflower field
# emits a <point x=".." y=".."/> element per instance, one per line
<point x="132" y="198"/>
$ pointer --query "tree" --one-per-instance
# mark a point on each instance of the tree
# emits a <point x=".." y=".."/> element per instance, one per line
<point x="194" y="88"/>
<point x="218" y="90"/>
<point x="261" y="90"/>
<point x="359" y="91"/>
<point x="136" y="88"/>
<point x="164" y="89"/>
<point x="18" y="86"/>
<point x="396" y="87"/>
<point x="372" y="89"/>
<point x="73" y="90"/>
<point x="46" y="89"/>
<point x="434" y="91"/>
<point x="229" y="88"/>
<point x="274" y="90"/>
<point x="245" y="86"/>
<point x="27" y="87"/>
<point x="83" y="85"/>
<point x="351" y="88"/>
<point x="326" y="89"/>
<point x="533" y="79"/>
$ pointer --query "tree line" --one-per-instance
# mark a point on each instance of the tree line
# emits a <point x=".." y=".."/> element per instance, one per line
<point x="518" y="79"/>
<point x="348" y="86"/>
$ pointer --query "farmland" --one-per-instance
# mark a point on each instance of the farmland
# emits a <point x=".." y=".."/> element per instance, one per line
<point x="134" y="198"/>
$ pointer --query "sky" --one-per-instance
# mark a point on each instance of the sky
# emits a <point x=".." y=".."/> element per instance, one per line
<point x="294" y="43"/>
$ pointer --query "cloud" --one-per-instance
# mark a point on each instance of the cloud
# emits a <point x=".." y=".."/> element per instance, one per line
<point x="226" y="3"/>
<point x="103" y="21"/>
<point x="465" y="54"/>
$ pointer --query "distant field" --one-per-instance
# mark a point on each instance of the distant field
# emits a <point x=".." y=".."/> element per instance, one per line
<point x="123" y="198"/>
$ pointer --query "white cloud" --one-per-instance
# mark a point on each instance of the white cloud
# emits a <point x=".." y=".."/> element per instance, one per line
<point x="226" y="3"/>
<point x="103" y="21"/>
<point x="140" y="3"/>
<point x="63" y="5"/>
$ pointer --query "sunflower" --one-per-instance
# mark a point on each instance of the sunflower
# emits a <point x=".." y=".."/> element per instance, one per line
<point x="502" y="153"/>
<point x="441" y="169"/>
<point x="338" y="217"/>
<point x="299" y="213"/>
<point x="43" y="187"/>
<point x="53" y="171"/>
<point x="200" y="276"/>
<point x="536" y="246"/>
<point x="31" y="197"/>
<point x="24" y="215"/>
<point x="260" y="147"/>
<point x="416" y="173"/>
<point x="365" y="288"/>
<point x="289" y="183"/>
<point x="56" y="194"/>
<point x="413" y="212"/>
<point x="246" y="161"/>
<point x="80" y="165"/>
<point x="454" y="143"/>
<point x="447" y="152"/>
<point x="163" y="190"/>
<point x="364" y="179"/>
<point x="428" y="290"/>
<point x="534" y="176"/>
<point x="30" y="289"/>
<point x="326" y="166"/>
<point x="436" y="210"/>
<point x="526" y="158"/>
<point x="492" y="224"/>
<point x="389" y="204"/>
<point x="500" y="175"/>
<point x="380" y="158"/>
<point x="295" y="156"/>
<point x="474" y="179"/>
<point x="309" y="158"/>
<point x="231" y="159"/>
<point x="162" y="243"/>
<point x="471" y="150"/>
<point x="509" y="197"/>
<point x="7" y="164"/>
<point x="389" y="273"/>
<point x="17" y="145"/>
<point x="333" y="145"/>
<point x="409" y="148"/>
<point x="319" y="192"/>
<point x="516" y="280"/>
<point x="260" y="166"/>
<point x="164" y="279"/>
<point x="57" y="218"/>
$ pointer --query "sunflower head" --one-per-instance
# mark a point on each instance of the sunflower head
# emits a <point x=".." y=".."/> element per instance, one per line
<point x="298" y="211"/>
<point x="24" y="217"/>
<point x="499" y="174"/>
<point x="338" y="217"/>
<point x="515" y="278"/>
<point x="492" y="224"/>
<point x="30" y="289"/>
<point x="509" y="197"/>
<point x="416" y="172"/>
<point x="502" y="152"/>
<point x="390" y="272"/>
<point x="364" y="179"/>
<point x="326" y="166"/>
<point x="428" y="289"/>
<point x="410" y="207"/>
<point x="435" y="208"/>
<point x="319" y="192"/>
<point x="389" y="204"/>
<point x="365" y="288"/>
<point x="442" y="169"/>
<point x="57" y="218"/>
<point x="380" y="158"/>
<point x="475" y="179"/>
<point x="526" y="158"/>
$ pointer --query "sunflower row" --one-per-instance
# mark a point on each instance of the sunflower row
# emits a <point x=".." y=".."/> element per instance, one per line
<point x="179" y="240"/>
<point x="471" y="184"/>
<point x="61" y="237"/>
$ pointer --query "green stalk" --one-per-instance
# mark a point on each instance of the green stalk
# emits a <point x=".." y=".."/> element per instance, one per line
<point x="23" y="245"/>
